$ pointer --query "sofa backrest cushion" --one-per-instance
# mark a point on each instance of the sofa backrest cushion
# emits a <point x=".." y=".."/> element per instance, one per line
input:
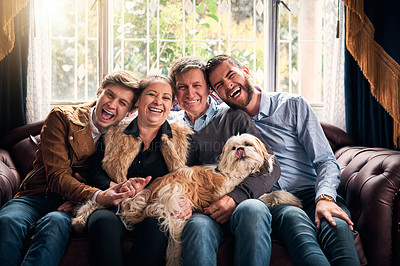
<point x="23" y="154"/>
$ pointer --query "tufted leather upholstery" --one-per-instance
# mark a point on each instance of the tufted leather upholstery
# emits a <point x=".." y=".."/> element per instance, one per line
<point x="370" y="183"/>
<point x="9" y="178"/>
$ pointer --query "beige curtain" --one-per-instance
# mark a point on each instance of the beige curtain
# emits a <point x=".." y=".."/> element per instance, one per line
<point x="8" y="10"/>
<point x="39" y="63"/>
<point x="333" y="51"/>
<point x="381" y="70"/>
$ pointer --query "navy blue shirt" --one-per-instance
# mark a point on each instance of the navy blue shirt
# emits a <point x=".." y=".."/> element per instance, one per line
<point x="148" y="162"/>
<point x="151" y="161"/>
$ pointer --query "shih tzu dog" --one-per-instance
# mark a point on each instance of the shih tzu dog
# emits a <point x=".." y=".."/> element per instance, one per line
<point x="200" y="185"/>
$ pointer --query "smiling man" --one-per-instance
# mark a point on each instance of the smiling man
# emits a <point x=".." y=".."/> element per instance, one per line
<point x="321" y="232"/>
<point x="68" y="139"/>
<point x="239" y="213"/>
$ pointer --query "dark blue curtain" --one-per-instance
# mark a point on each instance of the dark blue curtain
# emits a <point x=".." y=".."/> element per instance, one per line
<point x="13" y="77"/>
<point x="366" y="120"/>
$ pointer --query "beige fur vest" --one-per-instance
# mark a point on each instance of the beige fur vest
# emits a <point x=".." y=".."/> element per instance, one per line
<point x="121" y="149"/>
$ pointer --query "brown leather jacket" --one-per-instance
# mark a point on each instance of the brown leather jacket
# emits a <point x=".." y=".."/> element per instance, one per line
<point x="65" y="147"/>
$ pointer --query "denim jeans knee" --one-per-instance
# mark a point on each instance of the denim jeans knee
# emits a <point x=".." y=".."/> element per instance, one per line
<point x="18" y="217"/>
<point x="251" y="226"/>
<point x="201" y="238"/>
<point x="50" y="239"/>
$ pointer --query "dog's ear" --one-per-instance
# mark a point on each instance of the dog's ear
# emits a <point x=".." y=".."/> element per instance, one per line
<point x="267" y="166"/>
<point x="223" y="161"/>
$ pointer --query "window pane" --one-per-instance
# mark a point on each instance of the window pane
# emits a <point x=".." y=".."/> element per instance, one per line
<point x="242" y="22"/>
<point x="92" y="69"/>
<point x="206" y="49"/>
<point x="283" y="70"/>
<point x="151" y="34"/>
<point x="74" y="48"/>
<point x="62" y="16"/>
<point x="169" y="52"/>
<point x="170" y="21"/>
<point x="145" y="35"/>
<point x="178" y="28"/>
<point x="300" y="49"/>
<point x="135" y="58"/>
<point x="63" y="55"/>
<point x="206" y="21"/>
<point x="135" y="19"/>
<point x="243" y="52"/>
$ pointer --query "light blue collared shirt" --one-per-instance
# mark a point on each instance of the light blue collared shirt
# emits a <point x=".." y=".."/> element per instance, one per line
<point x="290" y="127"/>
<point x="203" y="120"/>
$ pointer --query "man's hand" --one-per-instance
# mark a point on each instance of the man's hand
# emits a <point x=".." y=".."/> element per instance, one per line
<point x="80" y="178"/>
<point x="221" y="210"/>
<point x="112" y="196"/>
<point x="67" y="206"/>
<point x="134" y="185"/>
<point x="328" y="209"/>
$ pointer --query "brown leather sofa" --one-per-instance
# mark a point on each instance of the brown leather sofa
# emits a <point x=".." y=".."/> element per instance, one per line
<point x="370" y="182"/>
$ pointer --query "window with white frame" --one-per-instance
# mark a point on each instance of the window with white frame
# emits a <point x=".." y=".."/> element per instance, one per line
<point x="90" y="38"/>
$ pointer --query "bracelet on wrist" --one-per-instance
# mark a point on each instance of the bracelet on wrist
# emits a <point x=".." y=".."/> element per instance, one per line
<point x="324" y="197"/>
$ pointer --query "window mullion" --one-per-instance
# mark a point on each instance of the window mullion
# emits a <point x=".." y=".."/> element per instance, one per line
<point x="254" y="37"/>
<point x="102" y="33"/>
<point x="76" y="53"/>
<point x="229" y="26"/>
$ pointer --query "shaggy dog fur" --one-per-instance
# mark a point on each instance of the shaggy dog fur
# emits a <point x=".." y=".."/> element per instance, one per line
<point x="201" y="185"/>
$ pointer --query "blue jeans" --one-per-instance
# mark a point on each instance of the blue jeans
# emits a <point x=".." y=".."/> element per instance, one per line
<point x="51" y="230"/>
<point x="330" y="245"/>
<point x="250" y="224"/>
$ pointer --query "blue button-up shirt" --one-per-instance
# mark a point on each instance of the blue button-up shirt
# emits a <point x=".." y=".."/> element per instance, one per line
<point x="203" y="120"/>
<point x="289" y="125"/>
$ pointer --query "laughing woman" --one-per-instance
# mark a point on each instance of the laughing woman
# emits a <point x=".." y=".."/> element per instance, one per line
<point x="148" y="146"/>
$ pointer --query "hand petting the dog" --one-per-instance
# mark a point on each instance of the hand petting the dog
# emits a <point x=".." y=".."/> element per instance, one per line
<point x="67" y="206"/>
<point x="328" y="210"/>
<point x="134" y="185"/>
<point x="222" y="209"/>
<point x="187" y="210"/>
<point x="112" y="196"/>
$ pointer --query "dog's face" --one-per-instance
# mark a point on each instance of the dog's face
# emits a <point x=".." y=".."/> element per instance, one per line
<point x="244" y="154"/>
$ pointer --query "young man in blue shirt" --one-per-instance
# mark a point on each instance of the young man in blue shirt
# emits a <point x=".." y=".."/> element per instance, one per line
<point x="321" y="232"/>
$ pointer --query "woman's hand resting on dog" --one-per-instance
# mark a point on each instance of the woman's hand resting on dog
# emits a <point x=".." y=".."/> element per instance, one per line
<point x="134" y="185"/>
<point x="117" y="193"/>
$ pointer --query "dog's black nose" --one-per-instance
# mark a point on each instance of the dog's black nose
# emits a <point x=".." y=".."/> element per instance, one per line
<point x="240" y="153"/>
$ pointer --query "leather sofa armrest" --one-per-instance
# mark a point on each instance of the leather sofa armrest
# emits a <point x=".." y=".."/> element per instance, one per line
<point x="337" y="137"/>
<point x="19" y="133"/>
<point x="370" y="183"/>
<point x="9" y="178"/>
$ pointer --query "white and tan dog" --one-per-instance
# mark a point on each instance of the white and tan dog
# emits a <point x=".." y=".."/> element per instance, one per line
<point x="201" y="185"/>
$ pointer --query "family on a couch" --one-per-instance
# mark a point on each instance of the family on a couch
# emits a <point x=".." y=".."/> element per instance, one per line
<point x="80" y="149"/>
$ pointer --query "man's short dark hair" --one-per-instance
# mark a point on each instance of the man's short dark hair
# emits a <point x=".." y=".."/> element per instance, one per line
<point x="214" y="62"/>
<point x="184" y="64"/>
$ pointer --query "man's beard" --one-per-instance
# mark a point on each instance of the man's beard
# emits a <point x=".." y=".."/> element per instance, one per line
<point x="242" y="105"/>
